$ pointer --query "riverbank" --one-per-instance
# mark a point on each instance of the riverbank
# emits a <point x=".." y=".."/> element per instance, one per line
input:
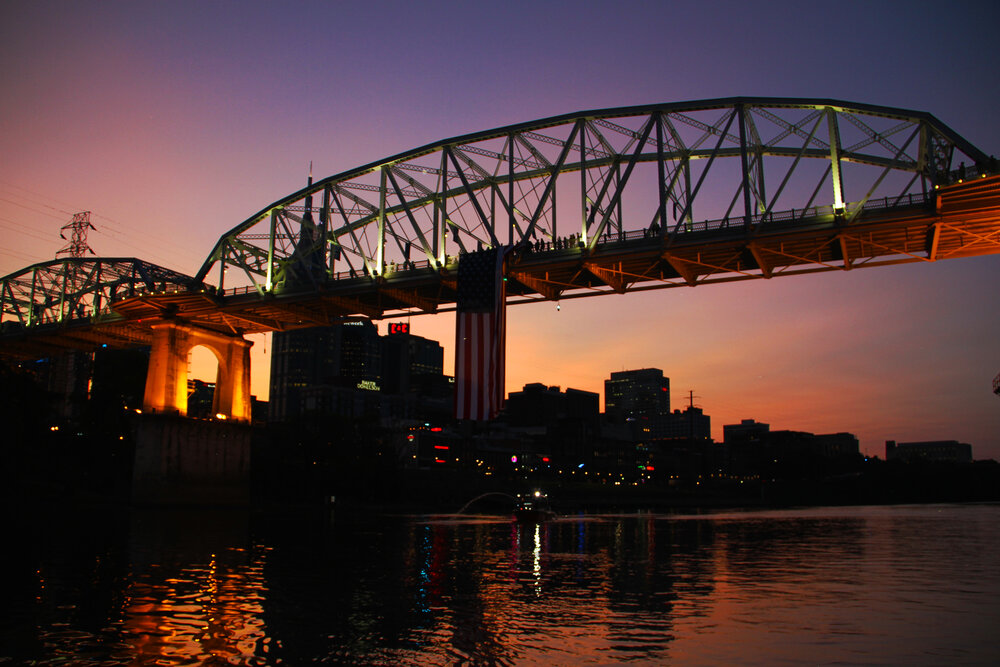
<point x="70" y="469"/>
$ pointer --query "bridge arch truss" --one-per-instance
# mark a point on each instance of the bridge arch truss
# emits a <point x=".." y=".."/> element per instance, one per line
<point x="67" y="297"/>
<point x="588" y="179"/>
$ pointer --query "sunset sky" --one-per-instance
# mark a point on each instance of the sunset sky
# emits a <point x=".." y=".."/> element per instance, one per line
<point x="174" y="121"/>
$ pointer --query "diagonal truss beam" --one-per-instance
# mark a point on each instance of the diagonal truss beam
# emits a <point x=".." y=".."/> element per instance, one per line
<point x="613" y="278"/>
<point x="547" y="289"/>
<point x="411" y="298"/>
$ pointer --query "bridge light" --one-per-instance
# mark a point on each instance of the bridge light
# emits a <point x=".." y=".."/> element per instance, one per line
<point x="220" y="416"/>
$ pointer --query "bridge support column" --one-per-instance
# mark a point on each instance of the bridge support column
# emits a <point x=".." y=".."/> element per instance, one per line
<point x="166" y="379"/>
<point x="232" y="385"/>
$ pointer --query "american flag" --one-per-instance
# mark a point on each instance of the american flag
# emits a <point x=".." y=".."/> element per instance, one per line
<point x="480" y="335"/>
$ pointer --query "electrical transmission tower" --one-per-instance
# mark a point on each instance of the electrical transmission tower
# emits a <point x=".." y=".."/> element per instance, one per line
<point x="78" y="226"/>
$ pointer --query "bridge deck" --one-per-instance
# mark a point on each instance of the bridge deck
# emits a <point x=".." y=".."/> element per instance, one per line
<point x="962" y="221"/>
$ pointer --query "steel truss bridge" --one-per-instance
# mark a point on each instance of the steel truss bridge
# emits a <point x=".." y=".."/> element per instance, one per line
<point x="599" y="202"/>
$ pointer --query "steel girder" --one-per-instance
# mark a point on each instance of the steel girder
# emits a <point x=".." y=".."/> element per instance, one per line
<point x="75" y="290"/>
<point x="664" y="169"/>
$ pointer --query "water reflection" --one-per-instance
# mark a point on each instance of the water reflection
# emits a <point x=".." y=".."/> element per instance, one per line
<point x="139" y="588"/>
<point x="196" y="589"/>
<point x="585" y="586"/>
<point x="177" y="588"/>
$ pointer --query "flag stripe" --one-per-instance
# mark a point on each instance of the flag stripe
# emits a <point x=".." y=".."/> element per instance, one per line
<point x="480" y="338"/>
<point x="479" y="374"/>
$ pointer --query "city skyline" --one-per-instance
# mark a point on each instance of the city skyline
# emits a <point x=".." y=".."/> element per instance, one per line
<point x="173" y="123"/>
<point x="310" y="361"/>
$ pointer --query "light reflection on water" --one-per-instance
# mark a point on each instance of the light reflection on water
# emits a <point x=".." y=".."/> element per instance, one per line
<point x="872" y="585"/>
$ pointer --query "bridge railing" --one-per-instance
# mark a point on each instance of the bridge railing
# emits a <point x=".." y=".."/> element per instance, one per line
<point x="611" y="238"/>
<point x="903" y="201"/>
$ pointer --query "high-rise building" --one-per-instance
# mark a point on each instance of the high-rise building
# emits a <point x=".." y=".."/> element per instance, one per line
<point x="350" y="371"/>
<point x="344" y="356"/>
<point x="410" y="364"/>
<point x="748" y="431"/>
<point x="692" y="425"/>
<point x="563" y="427"/>
<point x="414" y="386"/>
<point x="538" y="405"/>
<point x="642" y="394"/>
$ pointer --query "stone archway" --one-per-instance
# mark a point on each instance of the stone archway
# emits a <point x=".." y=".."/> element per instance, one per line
<point x="166" y="379"/>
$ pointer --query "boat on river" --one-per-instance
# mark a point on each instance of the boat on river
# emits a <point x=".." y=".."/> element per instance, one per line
<point x="533" y="508"/>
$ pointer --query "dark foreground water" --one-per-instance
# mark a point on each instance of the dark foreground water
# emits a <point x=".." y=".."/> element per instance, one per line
<point x="899" y="585"/>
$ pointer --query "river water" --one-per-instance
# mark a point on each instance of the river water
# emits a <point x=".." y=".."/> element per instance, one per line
<point x="892" y="585"/>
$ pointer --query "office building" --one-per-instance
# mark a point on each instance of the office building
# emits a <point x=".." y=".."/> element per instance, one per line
<point x="410" y="364"/>
<point x="636" y="395"/>
<point x="748" y="431"/>
<point x="561" y="426"/>
<point x="348" y="370"/>
<point x="344" y="357"/>
<point x="935" y="450"/>
<point x="691" y="424"/>
<point x="754" y="450"/>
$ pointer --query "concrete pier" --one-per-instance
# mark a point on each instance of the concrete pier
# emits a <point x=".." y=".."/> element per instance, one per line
<point x="180" y="461"/>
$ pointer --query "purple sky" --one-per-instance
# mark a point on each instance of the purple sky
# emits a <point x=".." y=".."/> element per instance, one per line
<point x="174" y="121"/>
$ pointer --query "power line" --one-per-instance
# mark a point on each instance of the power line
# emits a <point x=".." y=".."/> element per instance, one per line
<point x="24" y="231"/>
<point x="122" y="229"/>
<point x="34" y="210"/>
<point x="38" y="194"/>
<point x="170" y="253"/>
<point x="145" y="250"/>
<point x="20" y="229"/>
<point x="21" y="255"/>
<point x="119" y="236"/>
